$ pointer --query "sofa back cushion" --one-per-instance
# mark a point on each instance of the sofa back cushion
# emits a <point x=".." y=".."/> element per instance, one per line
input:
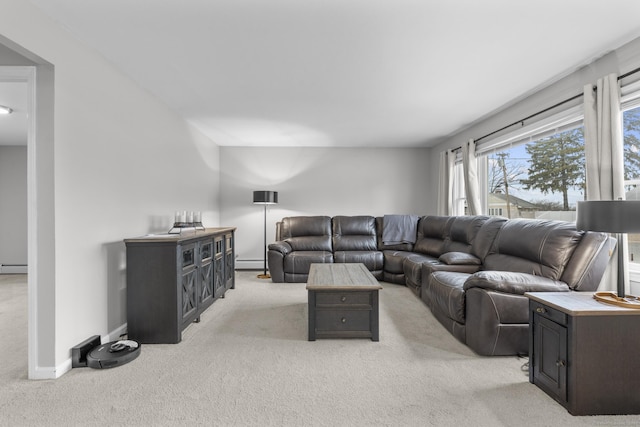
<point x="463" y="232"/>
<point x="432" y="234"/>
<point x="307" y="233"/>
<point x="589" y="261"/>
<point x="354" y="233"/>
<point x="486" y="235"/>
<point x="538" y="247"/>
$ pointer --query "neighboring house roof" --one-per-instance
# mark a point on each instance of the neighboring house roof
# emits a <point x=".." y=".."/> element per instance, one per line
<point x="517" y="201"/>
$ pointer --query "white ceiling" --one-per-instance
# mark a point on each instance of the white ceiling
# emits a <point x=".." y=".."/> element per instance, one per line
<point x="344" y="72"/>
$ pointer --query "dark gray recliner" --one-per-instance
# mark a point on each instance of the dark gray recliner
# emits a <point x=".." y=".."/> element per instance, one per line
<point x="354" y="241"/>
<point x="487" y="310"/>
<point x="441" y="236"/>
<point x="304" y="240"/>
<point x="301" y="241"/>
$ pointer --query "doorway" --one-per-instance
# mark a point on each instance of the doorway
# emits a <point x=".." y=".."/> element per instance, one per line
<point x="19" y="65"/>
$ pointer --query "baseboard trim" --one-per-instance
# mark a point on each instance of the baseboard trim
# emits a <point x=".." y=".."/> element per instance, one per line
<point x="50" y="372"/>
<point x="13" y="269"/>
<point x="249" y="264"/>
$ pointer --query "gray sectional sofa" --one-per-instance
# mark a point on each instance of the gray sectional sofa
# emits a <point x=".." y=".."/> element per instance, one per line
<point x="471" y="271"/>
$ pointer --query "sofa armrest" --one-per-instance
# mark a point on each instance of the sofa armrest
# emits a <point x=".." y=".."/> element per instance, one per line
<point x="283" y="247"/>
<point x="514" y="283"/>
<point x="459" y="258"/>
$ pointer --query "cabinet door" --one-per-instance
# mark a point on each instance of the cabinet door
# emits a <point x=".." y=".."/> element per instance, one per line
<point x="218" y="267"/>
<point x="550" y="357"/>
<point x="206" y="286"/>
<point x="229" y="262"/>
<point x="188" y="283"/>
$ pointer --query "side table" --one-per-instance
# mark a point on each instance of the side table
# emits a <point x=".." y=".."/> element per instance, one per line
<point x="584" y="353"/>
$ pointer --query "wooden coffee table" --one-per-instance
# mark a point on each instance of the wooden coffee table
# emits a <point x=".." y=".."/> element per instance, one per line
<point x="343" y="302"/>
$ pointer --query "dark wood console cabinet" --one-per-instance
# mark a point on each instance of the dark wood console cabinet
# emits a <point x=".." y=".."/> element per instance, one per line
<point x="173" y="278"/>
<point x="584" y="353"/>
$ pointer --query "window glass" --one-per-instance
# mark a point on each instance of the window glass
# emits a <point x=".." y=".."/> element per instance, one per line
<point x="538" y="179"/>
<point x="631" y="128"/>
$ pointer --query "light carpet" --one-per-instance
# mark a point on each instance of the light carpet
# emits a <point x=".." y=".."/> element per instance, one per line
<point x="248" y="363"/>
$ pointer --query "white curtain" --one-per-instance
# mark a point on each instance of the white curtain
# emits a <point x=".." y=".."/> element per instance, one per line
<point x="604" y="152"/>
<point x="603" y="140"/>
<point x="470" y="167"/>
<point x="445" y="183"/>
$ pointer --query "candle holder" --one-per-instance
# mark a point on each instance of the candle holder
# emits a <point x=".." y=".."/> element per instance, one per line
<point x="185" y="221"/>
<point x="197" y="221"/>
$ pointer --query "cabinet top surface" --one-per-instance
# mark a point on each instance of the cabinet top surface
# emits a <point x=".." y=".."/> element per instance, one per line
<point x="174" y="238"/>
<point x="579" y="304"/>
<point x="341" y="276"/>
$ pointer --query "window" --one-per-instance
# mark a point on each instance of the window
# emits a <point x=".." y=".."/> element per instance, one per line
<point x="542" y="178"/>
<point x="631" y="133"/>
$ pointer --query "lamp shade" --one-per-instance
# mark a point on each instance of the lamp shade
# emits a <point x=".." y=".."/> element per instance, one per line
<point x="612" y="216"/>
<point x="265" y="197"/>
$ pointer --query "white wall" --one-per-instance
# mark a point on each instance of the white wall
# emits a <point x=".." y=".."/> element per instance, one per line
<point x="319" y="181"/>
<point x="122" y="162"/>
<point x="13" y="205"/>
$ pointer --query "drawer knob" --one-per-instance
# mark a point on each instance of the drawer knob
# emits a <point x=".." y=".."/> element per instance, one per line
<point x="541" y="310"/>
<point x="343" y="298"/>
<point x="560" y="363"/>
<point x="343" y="320"/>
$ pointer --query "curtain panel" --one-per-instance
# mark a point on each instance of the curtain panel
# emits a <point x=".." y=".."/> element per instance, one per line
<point x="445" y="183"/>
<point x="603" y="142"/>
<point x="470" y="167"/>
<point x="604" y="154"/>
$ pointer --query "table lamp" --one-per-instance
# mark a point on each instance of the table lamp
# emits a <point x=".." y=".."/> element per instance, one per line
<point x="611" y="216"/>
<point x="265" y="198"/>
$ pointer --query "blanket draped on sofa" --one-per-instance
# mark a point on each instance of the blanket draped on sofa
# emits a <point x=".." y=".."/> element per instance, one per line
<point x="398" y="229"/>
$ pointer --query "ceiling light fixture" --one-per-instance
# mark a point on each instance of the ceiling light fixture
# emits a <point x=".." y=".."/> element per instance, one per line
<point x="5" y="110"/>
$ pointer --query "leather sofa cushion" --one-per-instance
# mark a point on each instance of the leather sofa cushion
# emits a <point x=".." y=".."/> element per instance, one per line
<point x="459" y="258"/>
<point x="393" y="261"/>
<point x="432" y="232"/>
<point x="486" y="236"/>
<point x="446" y="294"/>
<point x="298" y="262"/>
<point x="307" y="233"/>
<point x="585" y="268"/>
<point x="514" y="283"/>
<point x="412" y="267"/>
<point x="463" y="232"/>
<point x="373" y="260"/>
<point x="544" y="252"/>
<point x="354" y="233"/>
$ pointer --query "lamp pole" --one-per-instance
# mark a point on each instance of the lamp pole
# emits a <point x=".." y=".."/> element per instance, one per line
<point x="265" y="198"/>
<point x="264" y="275"/>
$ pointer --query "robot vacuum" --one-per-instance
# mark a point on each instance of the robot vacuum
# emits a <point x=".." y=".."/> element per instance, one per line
<point x="112" y="354"/>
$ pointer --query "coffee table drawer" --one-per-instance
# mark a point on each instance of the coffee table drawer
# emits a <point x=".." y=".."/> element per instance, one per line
<point x="343" y="320"/>
<point x="343" y="298"/>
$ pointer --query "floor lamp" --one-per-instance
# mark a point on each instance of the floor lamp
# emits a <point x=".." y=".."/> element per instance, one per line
<point x="265" y="198"/>
<point x="611" y="216"/>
